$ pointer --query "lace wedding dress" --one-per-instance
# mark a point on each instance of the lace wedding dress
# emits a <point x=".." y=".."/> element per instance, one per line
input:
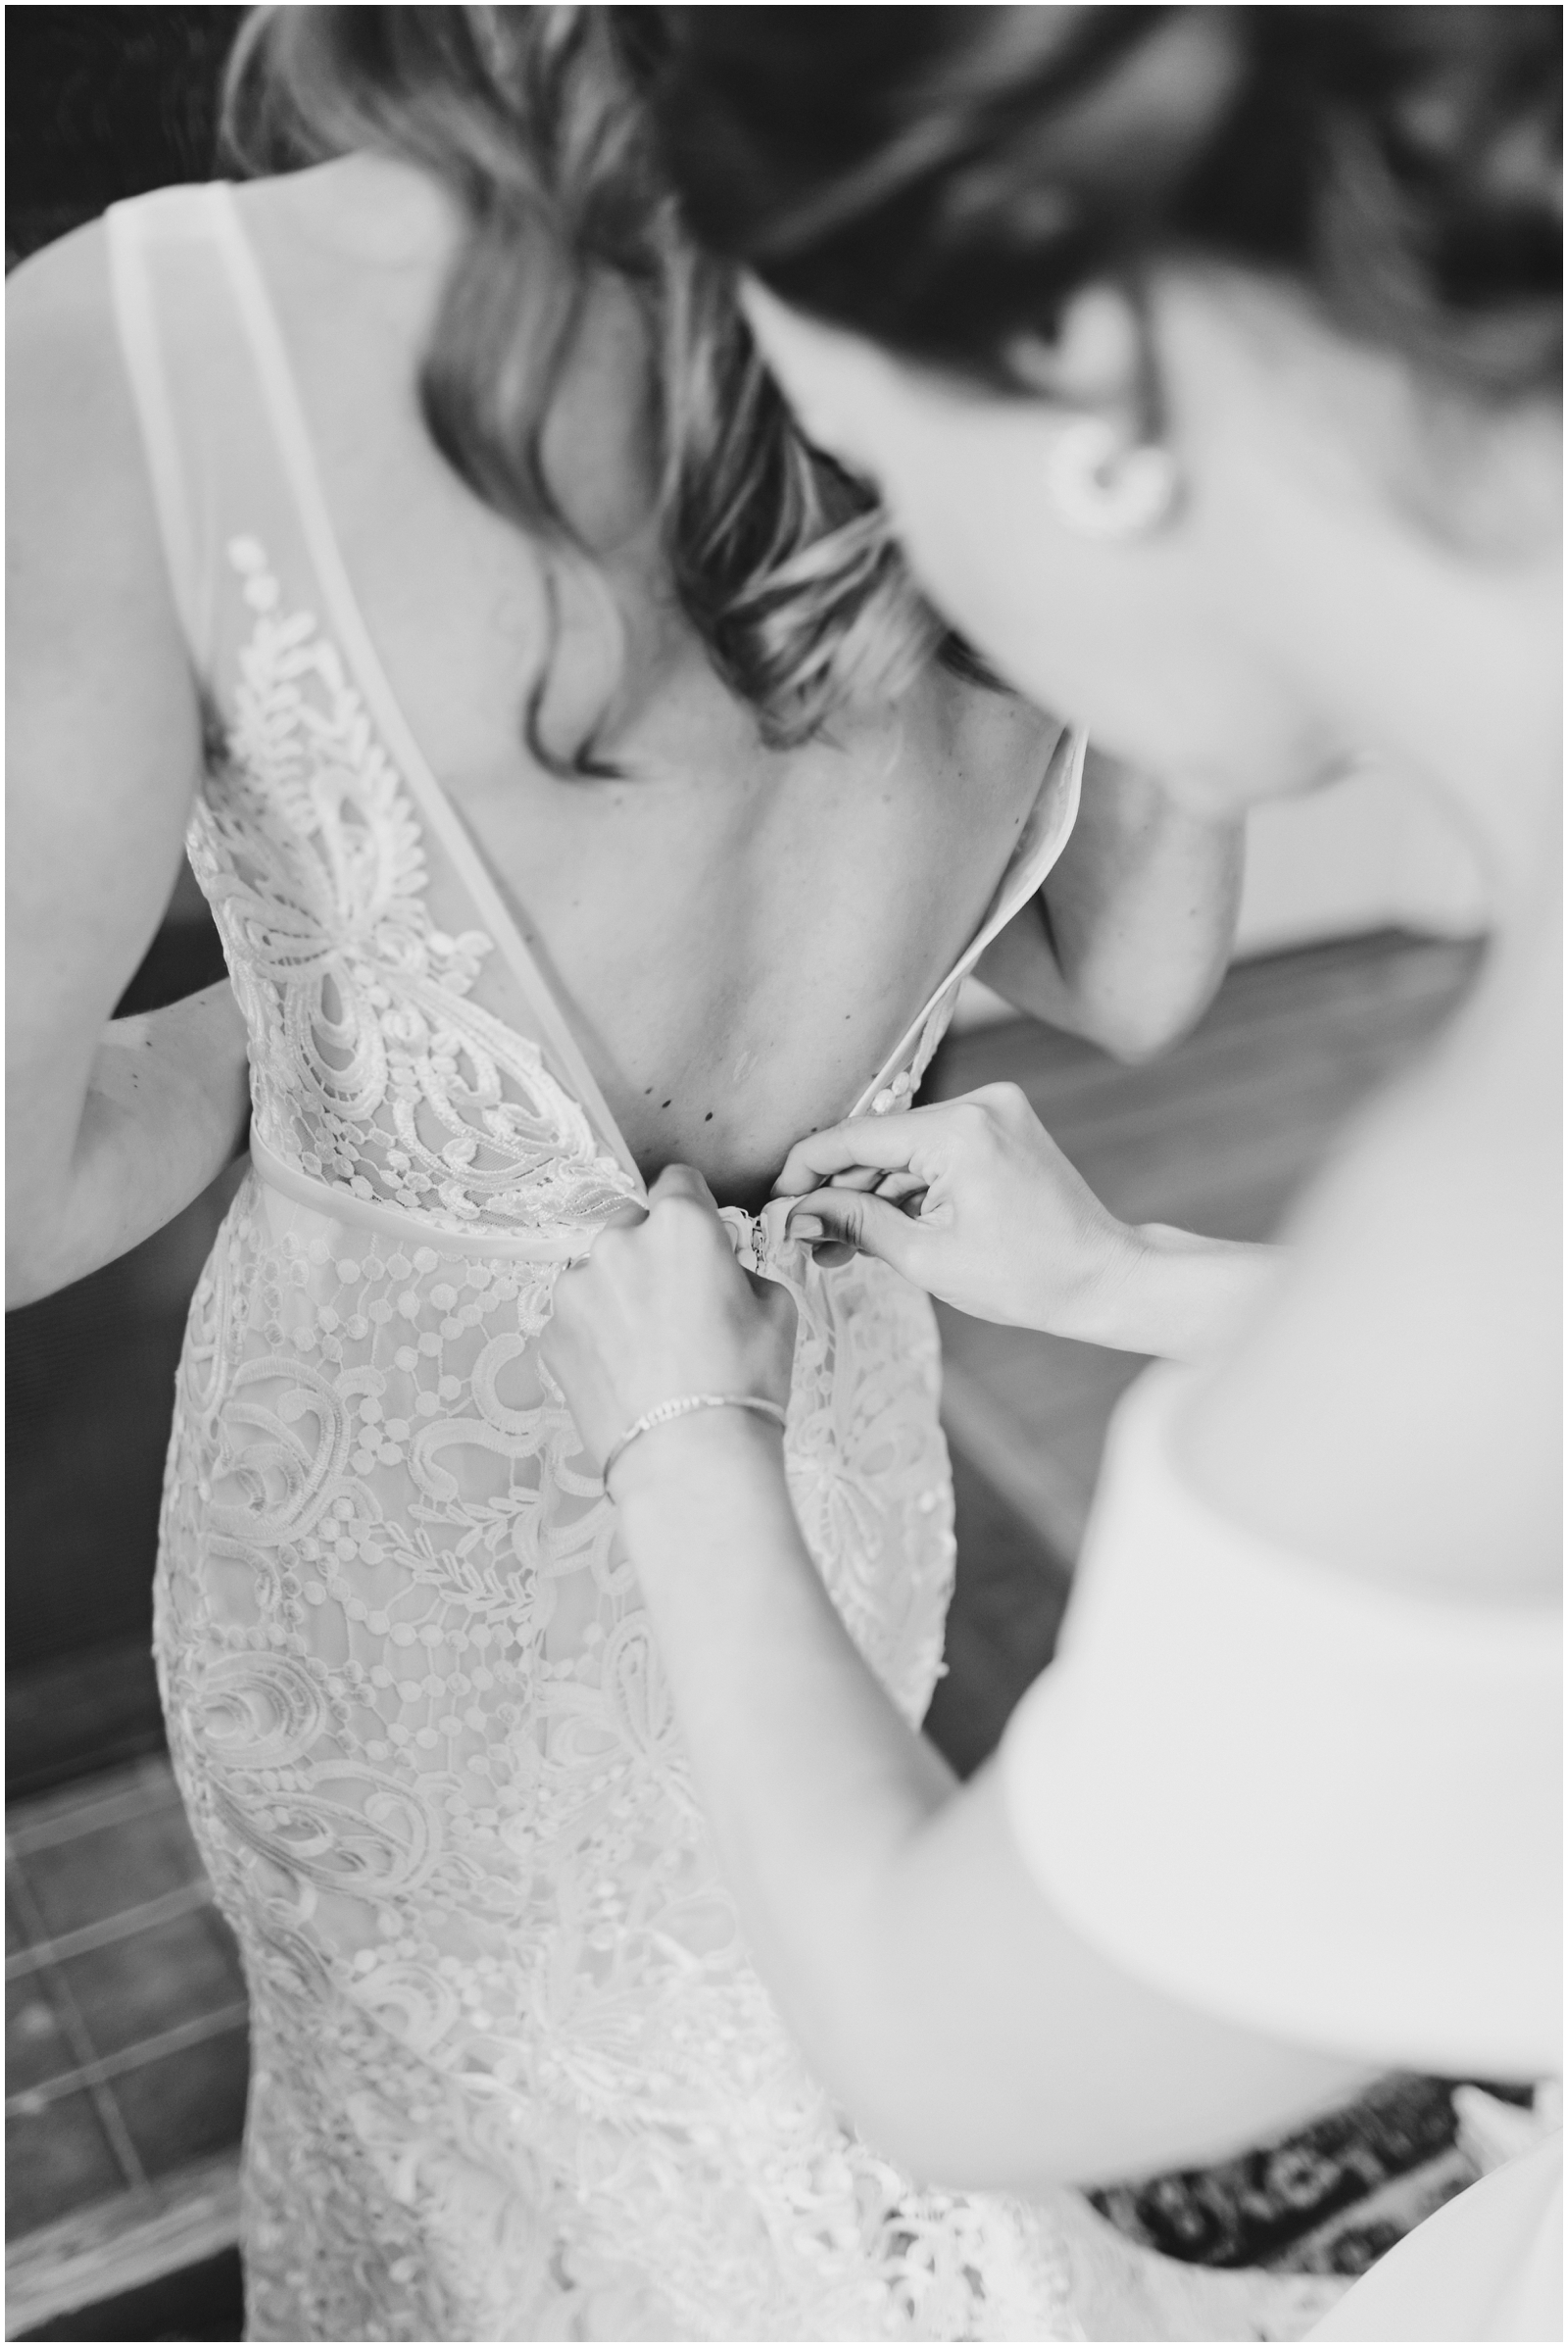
<point x="514" y="2075"/>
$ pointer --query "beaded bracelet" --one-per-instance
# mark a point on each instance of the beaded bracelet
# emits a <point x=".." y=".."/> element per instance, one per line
<point x="682" y="1407"/>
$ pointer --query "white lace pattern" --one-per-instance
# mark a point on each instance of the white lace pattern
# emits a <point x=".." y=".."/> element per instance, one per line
<point x="372" y="1064"/>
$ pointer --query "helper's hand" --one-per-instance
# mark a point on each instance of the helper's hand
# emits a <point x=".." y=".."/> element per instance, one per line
<point x="973" y="1202"/>
<point x="661" y="1308"/>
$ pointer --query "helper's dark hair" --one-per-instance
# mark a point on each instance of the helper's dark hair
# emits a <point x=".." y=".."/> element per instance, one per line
<point x="534" y="119"/>
<point x="943" y="178"/>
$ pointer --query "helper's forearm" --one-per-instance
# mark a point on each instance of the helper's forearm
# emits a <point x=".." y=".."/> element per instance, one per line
<point x="1179" y="1296"/>
<point x="166" y="1108"/>
<point x="931" y="1987"/>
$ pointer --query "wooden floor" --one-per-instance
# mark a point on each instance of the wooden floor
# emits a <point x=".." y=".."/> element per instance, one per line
<point x="1220" y="1136"/>
<point x="126" y="2051"/>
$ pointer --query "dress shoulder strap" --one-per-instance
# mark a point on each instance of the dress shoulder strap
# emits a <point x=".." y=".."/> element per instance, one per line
<point x="214" y="431"/>
<point x="144" y="236"/>
<point x="1044" y="834"/>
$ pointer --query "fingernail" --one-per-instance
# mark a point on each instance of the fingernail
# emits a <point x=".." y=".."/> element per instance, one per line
<point x="806" y="1226"/>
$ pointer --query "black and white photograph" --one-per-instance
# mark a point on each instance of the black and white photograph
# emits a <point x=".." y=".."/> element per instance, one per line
<point x="784" y="1179"/>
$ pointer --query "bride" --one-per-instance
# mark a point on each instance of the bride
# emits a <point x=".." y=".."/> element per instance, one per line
<point x="576" y="783"/>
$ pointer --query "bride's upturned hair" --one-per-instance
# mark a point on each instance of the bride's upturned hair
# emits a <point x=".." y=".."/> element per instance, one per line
<point x="533" y="119"/>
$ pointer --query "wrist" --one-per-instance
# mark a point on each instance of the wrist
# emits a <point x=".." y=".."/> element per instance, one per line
<point x="1103" y="1301"/>
<point x="668" y="1464"/>
<point x="1185" y="1293"/>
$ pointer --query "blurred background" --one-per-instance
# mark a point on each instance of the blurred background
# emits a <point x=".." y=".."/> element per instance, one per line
<point x="1361" y="927"/>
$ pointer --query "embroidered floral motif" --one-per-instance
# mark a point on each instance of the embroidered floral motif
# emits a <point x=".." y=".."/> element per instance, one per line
<point x="372" y="1067"/>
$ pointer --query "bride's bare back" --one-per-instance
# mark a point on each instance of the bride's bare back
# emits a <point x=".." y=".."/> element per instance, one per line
<point x="737" y="933"/>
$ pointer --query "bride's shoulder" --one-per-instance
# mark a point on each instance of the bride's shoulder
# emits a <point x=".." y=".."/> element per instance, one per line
<point x="352" y="247"/>
<point x="74" y="447"/>
<point x="359" y="210"/>
<point x="61" y="290"/>
<point x="978" y="728"/>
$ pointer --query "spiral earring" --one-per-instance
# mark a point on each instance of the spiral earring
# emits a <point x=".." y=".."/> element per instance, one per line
<point x="1103" y="488"/>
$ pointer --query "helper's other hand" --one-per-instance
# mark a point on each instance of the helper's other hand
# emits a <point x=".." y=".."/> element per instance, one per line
<point x="973" y="1200"/>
